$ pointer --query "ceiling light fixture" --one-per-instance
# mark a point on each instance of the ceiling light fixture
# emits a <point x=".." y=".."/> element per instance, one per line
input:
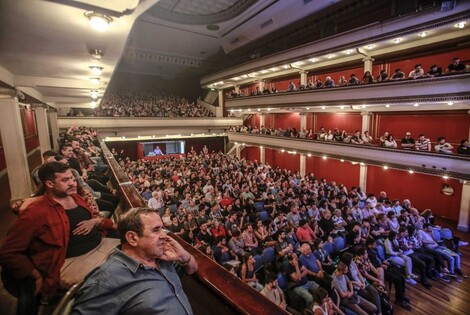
<point x="397" y="40"/>
<point x="461" y="24"/>
<point x="411" y="171"/>
<point x="98" y="21"/>
<point x="363" y="106"/>
<point x="342" y="161"/>
<point x="94" y="94"/>
<point x="415" y="104"/>
<point x="330" y="56"/>
<point x="445" y="177"/>
<point x="342" y="107"/>
<point x="385" y="167"/>
<point x="423" y="34"/>
<point x="96" y="53"/>
<point x="264" y="71"/>
<point x="323" y="107"/>
<point x="95" y="80"/>
<point x="313" y="59"/>
<point x="283" y="150"/>
<point x="96" y="70"/>
<point x="309" y="155"/>
<point x="371" y="46"/>
<point x="348" y="52"/>
<point x="387" y="105"/>
<point x="450" y="103"/>
<point x="324" y="157"/>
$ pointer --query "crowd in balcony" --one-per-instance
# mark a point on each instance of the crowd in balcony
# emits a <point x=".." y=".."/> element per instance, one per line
<point x="293" y="238"/>
<point x="139" y="104"/>
<point x="387" y="140"/>
<point x="456" y="67"/>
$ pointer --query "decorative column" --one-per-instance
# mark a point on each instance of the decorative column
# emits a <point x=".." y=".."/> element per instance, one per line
<point x="261" y="85"/>
<point x="14" y="147"/>
<point x="363" y="177"/>
<point x="43" y="128"/>
<point x="366" y="117"/>
<point x="303" y="77"/>
<point x="303" y="163"/>
<point x="54" y="129"/>
<point x="303" y="121"/>
<point x="237" y="89"/>
<point x="238" y="151"/>
<point x="262" y="154"/>
<point x="368" y="64"/>
<point x="219" y="112"/>
<point x="261" y="120"/>
<point x="464" y="213"/>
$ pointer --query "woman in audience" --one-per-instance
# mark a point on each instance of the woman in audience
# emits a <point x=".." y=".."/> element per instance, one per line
<point x="367" y="78"/>
<point x="390" y="142"/>
<point x="248" y="272"/>
<point x="166" y="217"/>
<point x="342" y="81"/>
<point x="323" y="304"/>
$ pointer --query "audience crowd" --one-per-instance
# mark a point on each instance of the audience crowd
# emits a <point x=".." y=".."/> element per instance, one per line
<point x="386" y="140"/>
<point x="133" y="104"/>
<point x="456" y="67"/>
<point x="259" y="221"/>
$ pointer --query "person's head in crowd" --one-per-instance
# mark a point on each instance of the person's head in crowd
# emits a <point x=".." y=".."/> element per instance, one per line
<point x="66" y="150"/>
<point x="347" y="258"/>
<point x="342" y="268"/>
<point x="48" y="156"/>
<point x="320" y="296"/>
<point x="58" y="178"/>
<point x="305" y="249"/>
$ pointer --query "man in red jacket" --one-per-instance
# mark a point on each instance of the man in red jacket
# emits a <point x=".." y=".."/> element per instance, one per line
<point x="53" y="236"/>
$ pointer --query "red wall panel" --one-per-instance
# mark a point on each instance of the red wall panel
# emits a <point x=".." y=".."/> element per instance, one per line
<point x="282" y="159"/>
<point x="268" y="120"/>
<point x="358" y="71"/>
<point x="343" y="121"/>
<point x="424" y="191"/>
<point x="340" y="172"/>
<point x="452" y="125"/>
<point x="253" y="121"/>
<point x="282" y="84"/>
<point x="250" y="153"/>
<point x="291" y="120"/>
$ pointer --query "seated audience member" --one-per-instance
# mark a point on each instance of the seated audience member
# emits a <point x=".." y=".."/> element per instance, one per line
<point x="423" y="143"/>
<point x="322" y="304"/>
<point x="314" y="268"/>
<point x="130" y="272"/>
<point x="323" y="257"/>
<point x="383" y="271"/>
<point x="310" y="84"/>
<point x="397" y="75"/>
<point x="367" y="78"/>
<point x="366" y="138"/>
<point x="349" y="298"/>
<point x="390" y="142"/>
<point x="453" y="258"/>
<point x="396" y="256"/>
<point x="356" y="139"/>
<point x="353" y="80"/>
<point x="442" y="146"/>
<point x="236" y="244"/>
<point x="463" y="148"/>
<point x="360" y="285"/>
<point x="249" y="239"/>
<point x="407" y="142"/>
<point x="337" y="136"/>
<point x="383" y="138"/>
<point x="342" y="81"/>
<point x="53" y="236"/>
<point x="305" y="233"/>
<point x="456" y="66"/>
<point x="417" y="72"/>
<point x="297" y="275"/>
<point x="248" y="272"/>
<point x="157" y="151"/>
<point x="329" y="82"/>
<point x="292" y="87"/>
<point x="318" y="84"/>
<point x="272" y="291"/>
<point x="383" y="76"/>
<point x="221" y="251"/>
<point x="434" y="71"/>
<point x="301" y="86"/>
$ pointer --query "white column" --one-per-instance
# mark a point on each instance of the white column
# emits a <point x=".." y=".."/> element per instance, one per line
<point x="219" y="112"/>
<point x="464" y="214"/>
<point x="303" y="121"/>
<point x="261" y="120"/>
<point x="237" y="89"/>
<point x="238" y="151"/>
<point x="363" y="177"/>
<point x="303" y="163"/>
<point x="368" y="64"/>
<point x="261" y="85"/>
<point x="365" y="121"/>
<point x="303" y="77"/>
<point x="14" y="148"/>
<point x="43" y="129"/>
<point x="262" y="154"/>
<point x="54" y="129"/>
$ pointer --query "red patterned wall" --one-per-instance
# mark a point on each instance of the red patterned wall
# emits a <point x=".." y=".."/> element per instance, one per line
<point x="341" y="172"/>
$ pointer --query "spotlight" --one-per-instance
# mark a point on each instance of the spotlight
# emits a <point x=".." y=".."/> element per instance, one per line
<point x="98" y="21"/>
<point x="96" y="70"/>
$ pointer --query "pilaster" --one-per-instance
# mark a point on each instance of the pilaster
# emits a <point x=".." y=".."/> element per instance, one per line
<point x="54" y="129"/>
<point x="464" y="214"/>
<point x="363" y="177"/>
<point x="302" y="166"/>
<point x="43" y="129"/>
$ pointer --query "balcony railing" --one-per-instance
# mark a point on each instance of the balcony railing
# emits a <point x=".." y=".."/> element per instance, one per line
<point x="452" y="165"/>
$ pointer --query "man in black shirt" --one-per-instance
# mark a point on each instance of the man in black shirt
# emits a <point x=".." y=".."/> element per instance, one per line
<point x="456" y="66"/>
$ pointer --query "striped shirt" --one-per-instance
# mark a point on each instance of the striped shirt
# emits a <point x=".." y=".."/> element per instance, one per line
<point x="423" y="145"/>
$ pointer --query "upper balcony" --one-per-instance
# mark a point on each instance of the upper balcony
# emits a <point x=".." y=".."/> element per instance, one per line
<point x="454" y="166"/>
<point x="437" y="91"/>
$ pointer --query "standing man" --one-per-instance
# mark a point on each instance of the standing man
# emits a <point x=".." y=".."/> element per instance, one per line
<point x="140" y="277"/>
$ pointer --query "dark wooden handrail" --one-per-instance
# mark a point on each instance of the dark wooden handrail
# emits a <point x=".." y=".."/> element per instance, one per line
<point x="212" y="289"/>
